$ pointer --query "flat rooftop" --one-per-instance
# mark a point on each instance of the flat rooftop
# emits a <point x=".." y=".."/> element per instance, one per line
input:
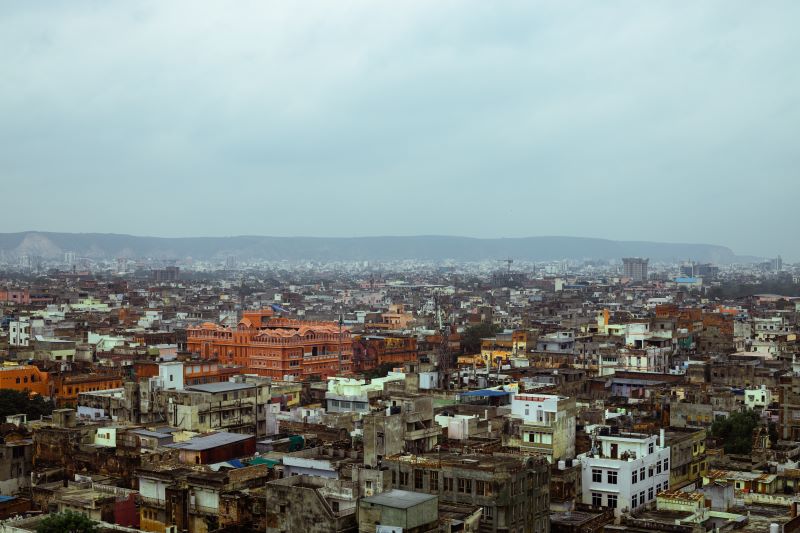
<point x="399" y="499"/>
<point x="222" y="386"/>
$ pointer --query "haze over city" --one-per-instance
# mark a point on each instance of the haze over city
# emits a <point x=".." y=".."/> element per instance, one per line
<point x="657" y="121"/>
<point x="399" y="267"/>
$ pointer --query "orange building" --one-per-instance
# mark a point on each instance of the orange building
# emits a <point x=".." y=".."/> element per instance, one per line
<point x="25" y="378"/>
<point x="371" y="351"/>
<point x="67" y="388"/>
<point x="194" y="372"/>
<point x="275" y="346"/>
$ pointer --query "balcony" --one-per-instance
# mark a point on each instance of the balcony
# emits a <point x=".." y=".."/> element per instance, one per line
<point x="423" y="433"/>
<point x="152" y="502"/>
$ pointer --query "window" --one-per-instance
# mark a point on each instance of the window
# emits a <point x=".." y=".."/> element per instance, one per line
<point x="666" y="465"/>
<point x="597" y="475"/>
<point x="418" y="479"/>
<point x="612" y="477"/>
<point x="480" y="488"/>
<point x="488" y="512"/>
<point x="404" y="479"/>
<point x="597" y="499"/>
<point x="635" y="477"/>
<point x="448" y="484"/>
<point x="650" y="448"/>
<point x="658" y="467"/>
<point x="465" y="485"/>
<point x="641" y="473"/>
<point x="641" y="498"/>
<point x="434" y="481"/>
<point x="650" y="493"/>
<point x="650" y="472"/>
<point x="612" y="501"/>
<point x="634" y="501"/>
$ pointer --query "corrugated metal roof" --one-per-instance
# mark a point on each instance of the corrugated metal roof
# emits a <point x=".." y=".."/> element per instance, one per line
<point x="209" y="441"/>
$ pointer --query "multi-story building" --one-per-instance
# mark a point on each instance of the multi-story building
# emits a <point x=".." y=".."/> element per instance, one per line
<point x="347" y="395"/>
<point x="624" y="471"/>
<point x="278" y="347"/>
<point x="688" y="455"/>
<point x="407" y="424"/>
<point x="548" y="424"/>
<point x="635" y="268"/>
<point x="25" y="378"/>
<point x="371" y="351"/>
<point x="237" y="407"/>
<point x="513" y="490"/>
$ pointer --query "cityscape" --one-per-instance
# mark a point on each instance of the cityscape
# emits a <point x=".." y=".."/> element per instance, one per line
<point x="399" y="267"/>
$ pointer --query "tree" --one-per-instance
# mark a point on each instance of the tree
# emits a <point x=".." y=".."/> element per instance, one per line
<point x="736" y="432"/>
<point x="67" y="522"/>
<point x="14" y="402"/>
<point x="380" y="371"/>
<point x="471" y="340"/>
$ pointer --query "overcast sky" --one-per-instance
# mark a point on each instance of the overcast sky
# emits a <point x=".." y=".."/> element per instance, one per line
<point x="669" y="121"/>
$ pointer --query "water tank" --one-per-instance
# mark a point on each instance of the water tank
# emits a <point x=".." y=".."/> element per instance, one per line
<point x="774" y="528"/>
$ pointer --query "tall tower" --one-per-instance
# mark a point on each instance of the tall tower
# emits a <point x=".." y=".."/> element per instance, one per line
<point x="635" y="268"/>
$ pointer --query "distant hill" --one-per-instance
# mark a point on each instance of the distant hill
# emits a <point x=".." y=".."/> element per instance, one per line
<point x="107" y="245"/>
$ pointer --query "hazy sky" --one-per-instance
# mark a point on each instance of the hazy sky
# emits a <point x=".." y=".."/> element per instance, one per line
<point x="674" y="121"/>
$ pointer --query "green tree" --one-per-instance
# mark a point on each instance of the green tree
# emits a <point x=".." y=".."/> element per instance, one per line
<point x="14" y="402"/>
<point x="471" y="339"/>
<point x="736" y="431"/>
<point x="380" y="371"/>
<point x="67" y="522"/>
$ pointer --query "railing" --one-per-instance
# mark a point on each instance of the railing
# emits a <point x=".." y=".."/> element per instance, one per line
<point x="422" y="433"/>
<point x="156" y="502"/>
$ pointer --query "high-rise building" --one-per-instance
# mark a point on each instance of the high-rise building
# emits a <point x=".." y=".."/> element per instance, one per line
<point x="635" y="268"/>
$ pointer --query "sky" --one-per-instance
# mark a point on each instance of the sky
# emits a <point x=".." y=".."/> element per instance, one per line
<point x="670" y="121"/>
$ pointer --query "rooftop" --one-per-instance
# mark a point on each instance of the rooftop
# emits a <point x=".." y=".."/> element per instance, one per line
<point x="223" y="386"/>
<point x="209" y="441"/>
<point x="399" y="499"/>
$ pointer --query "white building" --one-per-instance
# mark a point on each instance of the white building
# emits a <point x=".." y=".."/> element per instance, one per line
<point x="624" y="471"/>
<point x="19" y="332"/>
<point x="760" y="397"/>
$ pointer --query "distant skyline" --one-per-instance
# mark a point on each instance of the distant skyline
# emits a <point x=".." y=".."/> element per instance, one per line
<point x="657" y="121"/>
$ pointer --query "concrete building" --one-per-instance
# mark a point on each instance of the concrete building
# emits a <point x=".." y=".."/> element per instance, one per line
<point x="311" y="504"/>
<point x="624" y="471"/>
<point x="228" y="406"/>
<point x="688" y="455"/>
<point x="347" y="395"/>
<point x="513" y="490"/>
<point x="635" y="268"/>
<point x="399" y="510"/>
<point x="758" y="398"/>
<point x="406" y="425"/>
<point x="548" y="424"/>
